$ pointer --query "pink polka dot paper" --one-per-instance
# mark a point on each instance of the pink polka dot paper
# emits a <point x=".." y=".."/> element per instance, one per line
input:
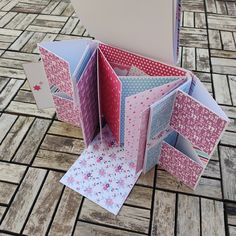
<point x="150" y="67"/>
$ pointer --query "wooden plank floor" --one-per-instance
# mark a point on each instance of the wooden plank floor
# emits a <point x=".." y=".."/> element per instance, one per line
<point x="36" y="149"/>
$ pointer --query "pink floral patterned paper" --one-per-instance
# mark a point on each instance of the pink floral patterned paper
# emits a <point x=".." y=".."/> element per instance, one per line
<point x="196" y="122"/>
<point x="86" y="91"/>
<point x="102" y="173"/>
<point x="57" y="71"/>
<point x="180" y="166"/>
<point x="66" y="111"/>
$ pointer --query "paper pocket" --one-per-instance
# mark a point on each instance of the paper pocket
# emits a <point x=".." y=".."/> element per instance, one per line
<point x="66" y="111"/>
<point x="180" y="165"/>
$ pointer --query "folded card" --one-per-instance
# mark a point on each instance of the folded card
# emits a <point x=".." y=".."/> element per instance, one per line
<point x="134" y="112"/>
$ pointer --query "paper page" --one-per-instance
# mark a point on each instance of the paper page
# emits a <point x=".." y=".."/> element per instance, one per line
<point x="110" y="95"/>
<point x="57" y="71"/>
<point x="86" y="92"/>
<point x="71" y="51"/>
<point x="158" y="126"/>
<point x="105" y="23"/>
<point x="200" y="93"/>
<point x="88" y="52"/>
<point x="158" y="129"/>
<point x="196" y="123"/>
<point x="134" y="107"/>
<point x="132" y="85"/>
<point x="66" y="111"/>
<point x="180" y="166"/>
<point x="184" y="146"/>
<point x="102" y="173"/>
<point x="39" y="84"/>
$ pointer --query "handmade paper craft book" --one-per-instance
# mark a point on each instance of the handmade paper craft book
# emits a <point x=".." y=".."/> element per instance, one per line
<point x="134" y="112"/>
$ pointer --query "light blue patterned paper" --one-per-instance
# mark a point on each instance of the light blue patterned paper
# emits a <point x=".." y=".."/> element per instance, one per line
<point x="134" y="85"/>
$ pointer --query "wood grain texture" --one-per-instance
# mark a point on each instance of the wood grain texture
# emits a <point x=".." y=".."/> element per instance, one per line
<point x="140" y="196"/>
<point x="147" y="179"/>
<point x="44" y="207"/>
<point x="29" y="109"/>
<point x="7" y="191"/>
<point x="230" y="209"/>
<point x="207" y="187"/>
<point x="128" y="218"/>
<point x="188" y="215"/>
<point x="63" y="144"/>
<point x="66" y="130"/>
<point x="54" y="160"/>
<point x="66" y="215"/>
<point x="163" y="222"/>
<point x="28" y="148"/>
<point x="83" y="228"/>
<point x="212" y="218"/>
<point x="228" y="167"/>
<point x="14" y="137"/>
<point x="9" y="91"/>
<point x="212" y="170"/>
<point x="20" y="207"/>
<point x="6" y="121"/>
<point x="232" y="231"/>
<point x="11" y="172"/>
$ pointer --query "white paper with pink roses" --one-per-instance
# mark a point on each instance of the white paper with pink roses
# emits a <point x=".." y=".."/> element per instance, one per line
<point x="102" y="174"/>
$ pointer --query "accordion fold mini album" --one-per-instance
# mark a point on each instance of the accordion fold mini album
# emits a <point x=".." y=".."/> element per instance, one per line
<point x="134" y="113"/>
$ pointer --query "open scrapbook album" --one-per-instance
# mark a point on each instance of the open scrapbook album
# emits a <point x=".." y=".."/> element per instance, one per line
<point x="134" y="112"/>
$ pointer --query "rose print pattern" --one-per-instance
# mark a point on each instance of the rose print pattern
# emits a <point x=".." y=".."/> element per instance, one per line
<point x="102" y="174"/>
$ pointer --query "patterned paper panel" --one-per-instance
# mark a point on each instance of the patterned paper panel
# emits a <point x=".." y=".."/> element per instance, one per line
<point x="197" y="123"/>
<point x="157" y="128"/>
<point x="134" y="107"/>
<point x="160" y="116"/>
<point x="152" y="157"/>
<point x="88" y="99"/>
<point x="102" y="174"/>
<point x="148" y="66"/>
<point x="66" y="111"/>
<point x="142" y="139"/>
<point x="57" y="71"/>
<point x="132" y="85"/>
<point x="110" y="94"/>
<point x="179" y="165"/>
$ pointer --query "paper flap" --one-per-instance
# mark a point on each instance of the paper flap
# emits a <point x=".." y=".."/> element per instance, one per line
<point x="39" y="85"/>
<point x="71" y="51"/>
